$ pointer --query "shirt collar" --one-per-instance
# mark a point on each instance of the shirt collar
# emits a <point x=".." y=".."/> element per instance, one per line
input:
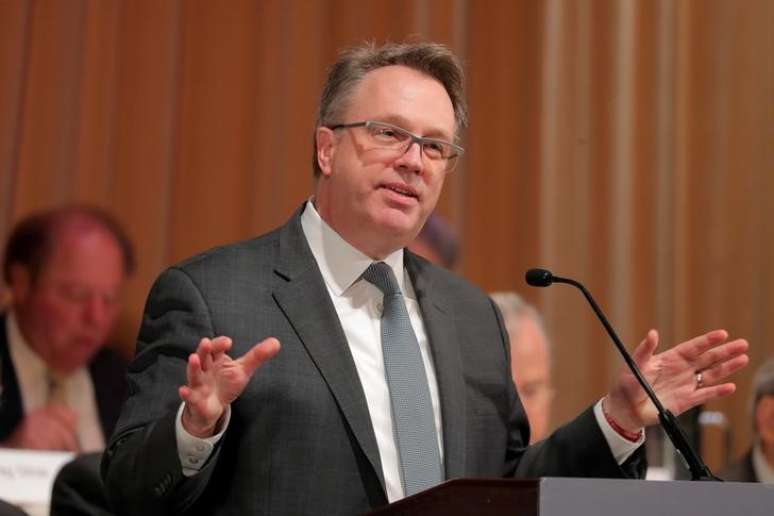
<point x="22" y="355"/>
<point x="340" y="263"/>
<point x="764" y="471"/>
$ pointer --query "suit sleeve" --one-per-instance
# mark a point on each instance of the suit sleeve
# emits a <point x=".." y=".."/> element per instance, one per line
<point x="141" y="466"/>
<point x="577" y="449"/>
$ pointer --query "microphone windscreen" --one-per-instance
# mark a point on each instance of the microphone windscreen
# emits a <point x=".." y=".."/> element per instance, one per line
<point x="539" y="277"/>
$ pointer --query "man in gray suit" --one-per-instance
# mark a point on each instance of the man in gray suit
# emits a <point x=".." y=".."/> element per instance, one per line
<point x="216" y="424"/>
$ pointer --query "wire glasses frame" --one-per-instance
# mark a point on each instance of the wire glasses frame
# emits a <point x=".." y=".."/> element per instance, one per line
<point x="391" y="137"/>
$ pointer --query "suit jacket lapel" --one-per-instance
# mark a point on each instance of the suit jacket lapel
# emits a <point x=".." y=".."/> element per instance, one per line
<point x="11" y="410"/>
<point x="439" y="325"/>
<point x="304" y="299"/>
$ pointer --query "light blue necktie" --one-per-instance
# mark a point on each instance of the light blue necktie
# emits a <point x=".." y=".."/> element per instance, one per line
<point x="412" y="409"/>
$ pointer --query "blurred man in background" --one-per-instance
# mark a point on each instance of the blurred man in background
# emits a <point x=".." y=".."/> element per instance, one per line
<point x="530" y="360"/>
<point x="61" y="389"/>
<point x="757" y="465"/>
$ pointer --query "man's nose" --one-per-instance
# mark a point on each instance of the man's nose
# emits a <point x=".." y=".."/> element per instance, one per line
<point x="97" y="311"/>
<point x="411" y="159"/>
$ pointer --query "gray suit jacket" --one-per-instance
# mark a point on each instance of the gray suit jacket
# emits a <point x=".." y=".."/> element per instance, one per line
<point x="300" y="439"/>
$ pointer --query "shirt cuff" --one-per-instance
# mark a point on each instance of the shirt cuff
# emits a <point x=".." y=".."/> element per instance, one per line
<point x="194" y="451"/>
<point x="621" y="448"/>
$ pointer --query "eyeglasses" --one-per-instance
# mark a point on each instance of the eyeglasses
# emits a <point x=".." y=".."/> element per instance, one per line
<point x="382" y="135"/>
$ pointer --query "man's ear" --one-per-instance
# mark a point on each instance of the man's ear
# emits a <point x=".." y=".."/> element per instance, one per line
<point x="20" y="283"/>
<point x="326" y="148"/>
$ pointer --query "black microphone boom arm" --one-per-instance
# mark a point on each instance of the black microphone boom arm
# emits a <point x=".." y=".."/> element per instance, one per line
<point x="699" y="470"/>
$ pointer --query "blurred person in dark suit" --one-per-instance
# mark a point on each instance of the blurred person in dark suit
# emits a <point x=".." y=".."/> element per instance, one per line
<point x="757" y="464"/>
<point x="530" y="360"/>
<point x="78" y="489"/>
<point x="61" y="388"/>
<point x="436" y="242"/>
<point x="7" y="509"/>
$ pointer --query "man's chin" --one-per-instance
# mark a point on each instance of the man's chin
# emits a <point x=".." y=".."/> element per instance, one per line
<point x="400" y="226"/>
<point x="79" y="356"/>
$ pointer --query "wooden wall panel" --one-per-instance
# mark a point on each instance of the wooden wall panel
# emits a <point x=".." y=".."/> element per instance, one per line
<point x="50" y="106"/>
<point x="96" y="100"/>
<point x="351" y="21"/>
<point x="298" y="96"/>
<point x="268" y="136"/>
<point x="501" y="173"/>
<point x="15" y="19"/>
<point x="209" y="196"/>
<point x="144" y="130"/>
<point x="643" y="196"/>
<point x="566" y="178"/>
<point x="611" y="39"/>
<point x="665" y="171"/>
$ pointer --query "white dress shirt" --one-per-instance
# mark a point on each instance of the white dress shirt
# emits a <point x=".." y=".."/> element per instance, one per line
<point x="33" y="378"/>
<point x="358" y="305"/>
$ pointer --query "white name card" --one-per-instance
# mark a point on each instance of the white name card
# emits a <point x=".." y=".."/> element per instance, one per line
<point x="26" y="476"/>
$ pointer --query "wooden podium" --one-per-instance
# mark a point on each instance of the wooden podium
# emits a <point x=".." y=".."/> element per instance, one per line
<point x="586" y="497"/>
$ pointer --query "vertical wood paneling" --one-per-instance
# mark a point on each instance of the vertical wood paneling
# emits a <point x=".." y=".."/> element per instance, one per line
<point x="14" y="32"/>
<point x="681" y="243"/>
<point x="268" y="135"/>
<point x="722" y="176"/>
<point x="354" y="21"/>
<point x="636" y="199"/>
<point x="92" y="180"/>
<point x="50" y="106"/>
<point x="641" y="266"/>
<point x="701" y="172"/>
<point x="562" y="184"/>
<point x="602" y="219"/>
<point x="144" y="128"/>
<point x="620" y="165"/>
<point x="501" y="174"/>
<point x="210" y="200"/>
<point x="664" y="170"/>
<point x="298" y="99"/>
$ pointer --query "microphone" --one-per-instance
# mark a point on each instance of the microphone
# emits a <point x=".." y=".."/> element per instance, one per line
<point x="699" y="470"/>
<point x="539" y="277"/>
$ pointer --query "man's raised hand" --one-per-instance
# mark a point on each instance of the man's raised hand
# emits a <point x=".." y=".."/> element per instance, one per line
<point x="689" y="374"/>
<point x="215" y="380"/>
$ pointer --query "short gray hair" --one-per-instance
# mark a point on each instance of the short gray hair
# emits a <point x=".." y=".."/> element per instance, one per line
<point x="433" y="59"/>
<point x="514" y="308"/>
